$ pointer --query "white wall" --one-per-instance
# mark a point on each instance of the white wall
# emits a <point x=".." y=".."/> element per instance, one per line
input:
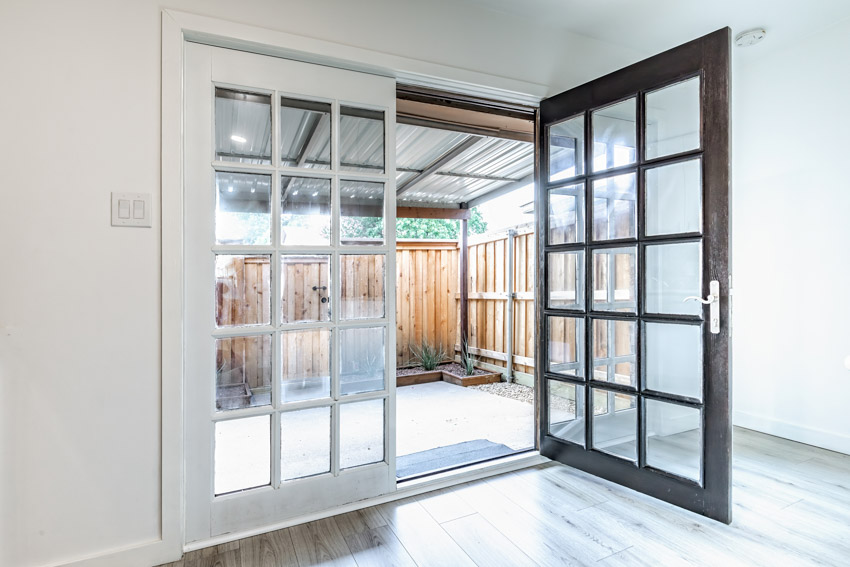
<point x="791" y="227"/>
<point x="79" y="300"/>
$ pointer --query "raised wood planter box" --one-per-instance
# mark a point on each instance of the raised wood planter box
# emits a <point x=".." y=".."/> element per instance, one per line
<point x="426" y="376"/>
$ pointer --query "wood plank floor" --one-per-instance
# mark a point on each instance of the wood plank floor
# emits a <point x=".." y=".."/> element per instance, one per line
<point x="791" y="507"/>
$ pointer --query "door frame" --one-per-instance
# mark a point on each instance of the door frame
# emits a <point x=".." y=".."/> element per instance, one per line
<point x="711" y="53"/>
<point x="177" y="28"/>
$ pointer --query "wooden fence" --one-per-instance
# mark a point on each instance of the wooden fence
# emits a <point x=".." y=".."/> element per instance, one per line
<point x="427" y="304"/>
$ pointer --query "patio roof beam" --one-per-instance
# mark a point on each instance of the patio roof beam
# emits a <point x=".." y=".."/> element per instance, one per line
<point x="432" y="213"/>
<point x="502" y="190"/>
<point x="437" y="164"/>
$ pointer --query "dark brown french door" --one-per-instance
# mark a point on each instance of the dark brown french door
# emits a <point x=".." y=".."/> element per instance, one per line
<point x="633" y="300"/>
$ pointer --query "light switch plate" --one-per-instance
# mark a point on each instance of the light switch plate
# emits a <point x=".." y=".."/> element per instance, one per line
<point x="139" y="209"/>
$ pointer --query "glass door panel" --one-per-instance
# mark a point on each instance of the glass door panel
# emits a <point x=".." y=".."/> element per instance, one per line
<point x="287" y="320"/>
<point x="640" y="364"/>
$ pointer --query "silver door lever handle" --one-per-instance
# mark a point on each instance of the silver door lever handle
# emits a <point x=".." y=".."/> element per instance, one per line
<point x="707" y="301"/>
<point x="713" y="301"/>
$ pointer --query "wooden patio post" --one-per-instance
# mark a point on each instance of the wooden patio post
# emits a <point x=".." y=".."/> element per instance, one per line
<point x="464" y="284"/>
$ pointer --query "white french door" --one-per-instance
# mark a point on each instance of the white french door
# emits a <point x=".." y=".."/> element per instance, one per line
<point x="289" y="230"/>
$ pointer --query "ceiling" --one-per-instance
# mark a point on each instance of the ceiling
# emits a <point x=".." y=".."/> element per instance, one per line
<point x="652" y="26"/>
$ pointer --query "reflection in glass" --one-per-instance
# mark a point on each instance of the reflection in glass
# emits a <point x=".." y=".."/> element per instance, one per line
<point x="673" y="119"/>
<point x="306" y="373"/>
<point x="243" y="127"/>
<point x="614" y="135"/>
<point x="674" y="438"/>
<point x="672" y="359"/>
<point x="566" y="346"/>
<point x="361" y="205"/>
<point x="243" y="372"/>
<point x="362" y="359"/>
<point x="242" y="208"/>
<point x="361" y="426"/>
<point x="615" y="207"/>
<point x="242" y="290"/>
<point x="305" y="211"/>
<point x="305" y="288"/>
<point x="242" y="454"/>
<point x="614" y="345"/>
<point x="615" y="432"/>
<point x="566" y="214"/>
<point x="566" y="280"/>
<point x="566" y="411"/>
<point x="361" y="140"/>
<point x="614" y="279"/>
<point x="673" y="272"/>
<point x="362" y="291"/>
<point x="305" y="133"/>
<point x="674" y="198"/>
<point x="566" y="149"/>
<point x="305" y="443"/>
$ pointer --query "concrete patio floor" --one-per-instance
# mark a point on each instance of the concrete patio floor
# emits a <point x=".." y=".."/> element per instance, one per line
<point x="438" y="414"/>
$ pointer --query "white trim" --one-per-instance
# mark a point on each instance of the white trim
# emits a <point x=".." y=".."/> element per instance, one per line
<point x="794" y="431"/>
<point x="405" y="490"/>
<point x="220" y="33"/>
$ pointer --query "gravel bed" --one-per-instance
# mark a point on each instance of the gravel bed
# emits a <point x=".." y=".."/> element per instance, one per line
<point x="458" y="370"/>
<point x="523" y="394"/>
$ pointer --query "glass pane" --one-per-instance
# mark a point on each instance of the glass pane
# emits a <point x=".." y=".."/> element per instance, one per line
<point x="305" y="211"/>
<point x="566" y="411"/>
<point x="614" y="279"/>
<point x="243" y="127"/>
<point x="673" y="119"/>
<point x="242" y="290"/>
<point x="242" y="454"/>
<point x="674" y="198"/>
<point x="615" y="423"/>
<point x="614" y="135"/>
<point x="305" y="443"/>
<point x="306" y="371"/>
<point x="305" y="133"/>
<point x="566" y="280"/>
<point x="361" y="205"/>
<point x="362" y="360"/>
<point x="361" y="432"/>
<point x="614" y="345"/>
<point x="242" y="208"/>
<point x="615" y="207"/>
<point x="361" y="140"/>
<point x="673" y="359"/>
<point x="673" y="272"/>
<point x="566" y="214"/>
<point x="305" y="288"/>
<point x="362" y="292"/>
<point x="674" y="438"/>
<point x="566" y="149"/>
<point x="566" y="346"/>
<point x="243" y="372"/>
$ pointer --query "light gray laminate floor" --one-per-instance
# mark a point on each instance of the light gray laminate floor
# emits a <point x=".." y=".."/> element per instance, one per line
<point x="791" y="507"/>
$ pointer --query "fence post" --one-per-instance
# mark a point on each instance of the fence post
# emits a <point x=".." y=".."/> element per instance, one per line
<point x="510" y="308"/>
<point x="464" y="284"/>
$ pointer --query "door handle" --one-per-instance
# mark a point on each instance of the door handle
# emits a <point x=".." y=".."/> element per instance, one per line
<point x="713" y="302"/>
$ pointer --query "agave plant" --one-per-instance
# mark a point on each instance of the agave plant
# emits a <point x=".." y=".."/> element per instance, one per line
<point x="428" y="356"/>
<point x="467" y="360"/>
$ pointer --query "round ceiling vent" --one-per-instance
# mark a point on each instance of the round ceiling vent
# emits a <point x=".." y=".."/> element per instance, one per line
<point x="750" y="37"/>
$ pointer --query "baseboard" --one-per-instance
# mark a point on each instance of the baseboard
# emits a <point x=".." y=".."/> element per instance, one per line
<point x="793" y="431"/>
<point x="141" y="555"/>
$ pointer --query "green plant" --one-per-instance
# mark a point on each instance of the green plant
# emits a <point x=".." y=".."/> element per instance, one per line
<point x="428" y="356"/>
<point x="467" y="360"/>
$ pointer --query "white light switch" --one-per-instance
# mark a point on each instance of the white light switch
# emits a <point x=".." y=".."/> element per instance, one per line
<point x="131" y="209"/>
<point x="123" y="209"/>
